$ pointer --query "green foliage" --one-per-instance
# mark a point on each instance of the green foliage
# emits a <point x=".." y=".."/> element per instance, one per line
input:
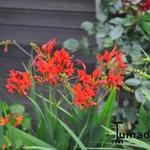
<point x="88" y="26"/>
<point x="3" y="107"/>
<point x="133" y="82"/>
<point x="25" y="138"/>
<point x="130" y="143"/>
<point x="119" y="22"/>
<point x="145" y="24"/>
<point x="17" y="108"/>
<point x="116" y="32"/>
<point x="144" y="120"/>
<point x="58" y="127"/>
<point x="71" y="44"/>
<point x="106" y="114"/>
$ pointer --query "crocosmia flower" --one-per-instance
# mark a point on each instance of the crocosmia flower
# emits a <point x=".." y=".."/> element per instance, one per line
<point x="114" y="79"/>
<point x="55" y="69"/>
<point x="18" y="120"/>
<point x="86" y="89"/>
<point x="19" y="82"/>
<point x="4" y="121"/>
<point x="45" y="49"/>
<point x="92" y="79"/>
<point x="113" y="68"/>
<point x="12" y="118"/>
<point x="63" y="63"/>
<point x="83" y="96"/>
<point x="110" y="74"/>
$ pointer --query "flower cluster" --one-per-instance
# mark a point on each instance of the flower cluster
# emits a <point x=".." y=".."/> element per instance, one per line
<point x="113" y="68"/>
<point x="13" y="118"/>
<point x="58" y="68"/>
<point x="53" y="69"/>
<point x="83" y="96"/>
<point x="108" y="75"/>
<point x="18" y="81"/>
<point x="85" y="91"/>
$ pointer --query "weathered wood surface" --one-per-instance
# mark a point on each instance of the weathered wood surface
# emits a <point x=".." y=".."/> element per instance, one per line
<point x="27" y="21"/>
<point x="60" y="19"/>
<point x="25" y="35"/>
<point x="58" y="5"/>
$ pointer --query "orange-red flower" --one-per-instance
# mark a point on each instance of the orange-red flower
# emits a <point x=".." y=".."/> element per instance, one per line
<point x="109" y="75"/>
<point x="83" y="96"/>
<point x="63" y="63"/>
<point x="18" y="81"/>
<point x="107" y="56"/>
<point x="93" y="79"/>
<point x="54" y="69"/>
<point x="12" y="118"/>
<point x="114" y="69"/>
<point x="85" y="91"/>
<point x="4" y="121"/>
<point x="18" y="120"/>
<point x="119" y="62"/>
<point x="114" y="79"/>
<point x="45" y="49"/>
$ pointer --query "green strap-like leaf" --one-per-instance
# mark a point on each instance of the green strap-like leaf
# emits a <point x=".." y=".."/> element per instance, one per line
<point x="146" y="26"/>
<point x="36" y="148"/>
<point x="106" y="113"/>
<point x="27" y="139"/>
<point x="77" y="139"/>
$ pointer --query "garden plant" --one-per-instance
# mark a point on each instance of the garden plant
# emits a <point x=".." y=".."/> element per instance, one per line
<point x="78" y="109"/>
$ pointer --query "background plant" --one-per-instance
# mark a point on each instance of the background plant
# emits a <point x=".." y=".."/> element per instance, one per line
<point x="124" y="21"/>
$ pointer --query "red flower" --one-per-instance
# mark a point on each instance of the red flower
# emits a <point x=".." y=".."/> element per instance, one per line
<point x="18" y="81"/>
<point x="145" y="6"/>
<point x="12" y="117"/>
<point x="114" y="79"/>
<point x="46" y="70"/>
<point x="42" y="65"/>
<point x="4" y="121"/>
<point x="93" y="80"/>
<point x="45" y="49"/>
<point x="83" y="96"/>
<point x="107" y="56"/>
<point x="84" y="77"/>
<point x="18" y="120"/>
<point x="114" y="69"/>
<point x="119" y="61"/>
<point x="86" y="89"/>
<point x="63" y="63"/>
<point x="109" y="75"/>
<point x="56" y="69"/>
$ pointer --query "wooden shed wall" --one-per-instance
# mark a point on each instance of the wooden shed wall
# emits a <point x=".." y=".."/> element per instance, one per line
<point x="38" y="20"/>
